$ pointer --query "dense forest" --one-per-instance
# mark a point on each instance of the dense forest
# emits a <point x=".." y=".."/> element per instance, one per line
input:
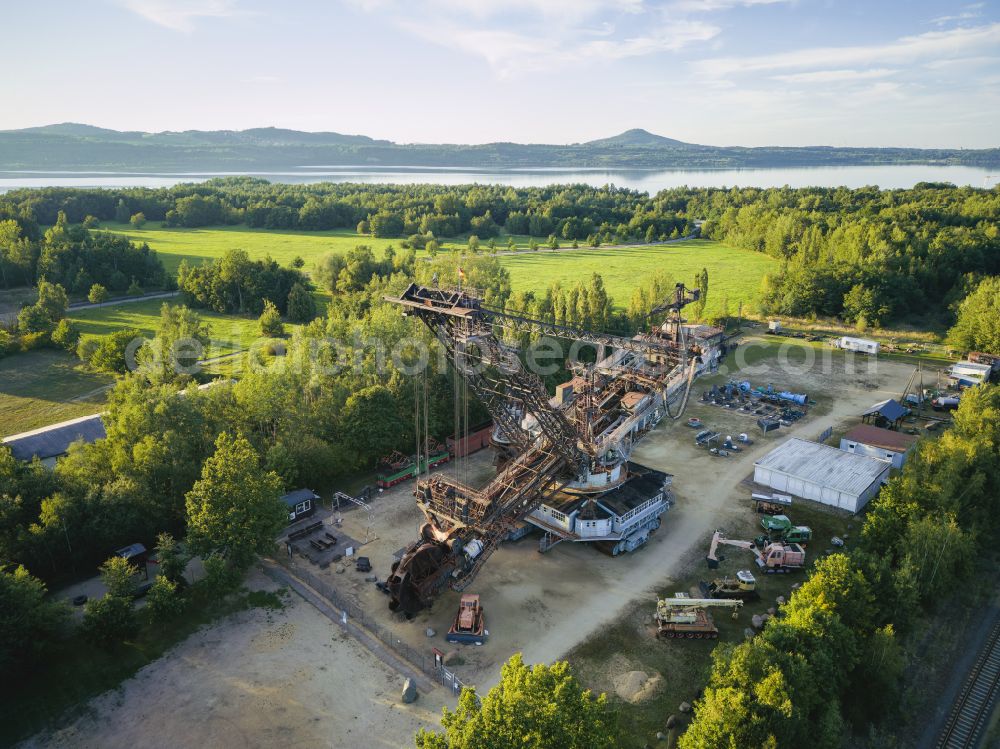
<point x="74" y="146"/>
<point x="72" y="256"/>
<point x="870" y="256"/>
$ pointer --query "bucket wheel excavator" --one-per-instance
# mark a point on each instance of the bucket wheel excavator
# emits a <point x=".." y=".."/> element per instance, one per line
<point x="580" y="444"/>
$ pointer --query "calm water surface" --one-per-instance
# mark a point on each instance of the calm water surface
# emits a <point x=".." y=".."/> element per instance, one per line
<point x="887" y="177"/>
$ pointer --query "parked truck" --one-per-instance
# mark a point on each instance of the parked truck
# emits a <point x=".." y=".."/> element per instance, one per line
<point x="780" y="528"/>
<point x="772" y="559"/>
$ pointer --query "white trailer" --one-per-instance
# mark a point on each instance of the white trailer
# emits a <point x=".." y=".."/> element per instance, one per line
<point x="863" y="345"/>
<point x="774" y="326"/>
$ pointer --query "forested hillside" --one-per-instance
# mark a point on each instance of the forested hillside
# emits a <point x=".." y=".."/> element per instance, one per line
<point x="73" y="146"/>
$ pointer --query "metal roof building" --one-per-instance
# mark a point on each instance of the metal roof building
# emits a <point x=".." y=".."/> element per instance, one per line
<point x="875" y="442"/>
<point x="822" y="473"/>
<point x="54" y="440"/>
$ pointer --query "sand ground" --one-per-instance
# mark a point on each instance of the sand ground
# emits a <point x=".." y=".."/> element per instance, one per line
<point x="259" y="678"/>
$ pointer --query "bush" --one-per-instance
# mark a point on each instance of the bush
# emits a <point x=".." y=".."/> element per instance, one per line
<point x="32" y="341"/>
<point x="301" y="305"/>
<point x="86" y="347"/>
<point x="110" y="352"/>
<point x="270" y="321"/>
<point x="163" y="600"/>
<point x="118" y="575"/>
<point x="7" y="342"/>
<point x="134" y="289"/>
<point x="109" y="620"/>
<point x="220" y="577"/>
<point x="66" y="335"/>
<point x="91" y="222"/>
<point x="173" y="559"/>
<point x="29" y="619"/>
<point x="138" y="220"/>
<point x="98" y="294"/>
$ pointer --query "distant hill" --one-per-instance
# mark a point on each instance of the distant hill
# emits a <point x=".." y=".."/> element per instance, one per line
<point x="639" y="137"/>
<point x="75" y="147"/>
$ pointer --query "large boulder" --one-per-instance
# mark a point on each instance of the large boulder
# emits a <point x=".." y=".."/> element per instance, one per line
<point x="409" y="692"/>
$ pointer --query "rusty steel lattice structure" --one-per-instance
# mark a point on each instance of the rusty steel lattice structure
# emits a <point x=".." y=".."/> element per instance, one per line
<point x="549" y="447"/>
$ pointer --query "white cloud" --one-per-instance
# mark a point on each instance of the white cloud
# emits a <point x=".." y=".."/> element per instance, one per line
<point x="180" y="15"/>
<point x="576" y="9"/>
<point x="967" y="12"/>
<point x="835" y="76"/>
<point x="510" y="52"/>
<point x="569" y="32"/>
<point x="923" y="48"/>
<point x="702" y="6"/>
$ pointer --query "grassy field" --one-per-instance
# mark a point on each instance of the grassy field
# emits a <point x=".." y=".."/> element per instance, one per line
<point x="735" y="274"/>
<point x="229" y="333"/>
<point x="196" y="245"/>
<point x="46" y="386"/>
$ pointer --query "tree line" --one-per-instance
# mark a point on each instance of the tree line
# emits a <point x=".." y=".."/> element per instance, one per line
<point x="567" y="211"/>
<point x="73" y="256"/>
<point x="867" y="255"/>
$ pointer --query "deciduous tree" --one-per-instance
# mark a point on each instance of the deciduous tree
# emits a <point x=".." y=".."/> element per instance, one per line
<point x="28" y="618"/>
<point x="234" y="508"/>
<point x="541" y="707"/>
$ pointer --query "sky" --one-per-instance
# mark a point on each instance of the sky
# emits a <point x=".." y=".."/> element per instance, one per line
<point x="914" y="73"/>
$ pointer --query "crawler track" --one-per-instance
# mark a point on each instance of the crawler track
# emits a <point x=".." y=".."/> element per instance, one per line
<point x="972" y="709"/>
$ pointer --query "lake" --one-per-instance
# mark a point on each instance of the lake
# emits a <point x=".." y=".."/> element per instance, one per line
<point x="652" y="180"/>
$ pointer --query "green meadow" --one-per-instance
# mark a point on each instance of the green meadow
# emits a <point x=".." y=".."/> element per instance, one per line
<point x="733" y="275"/>
<point x="47" y="386"/>
<point x="195" y="245"/>
<point x="43" y="387"/>
<point x="229" y="333"/>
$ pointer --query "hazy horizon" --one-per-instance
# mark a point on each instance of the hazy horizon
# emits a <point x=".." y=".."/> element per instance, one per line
<point x="463" y="143"/>
<point x="720" y="72"/>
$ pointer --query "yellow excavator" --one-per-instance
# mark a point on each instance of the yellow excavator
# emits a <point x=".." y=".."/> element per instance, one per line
<point x="683" y="617"/>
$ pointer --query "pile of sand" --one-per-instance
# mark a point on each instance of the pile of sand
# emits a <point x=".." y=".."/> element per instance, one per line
<point x="637" y="686"/>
